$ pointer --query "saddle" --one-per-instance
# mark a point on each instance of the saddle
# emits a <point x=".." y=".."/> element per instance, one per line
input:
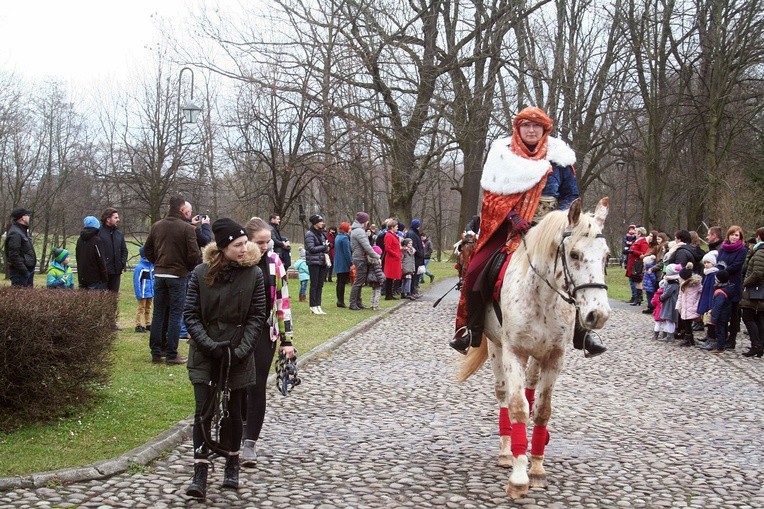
<point x="491" y="279"/>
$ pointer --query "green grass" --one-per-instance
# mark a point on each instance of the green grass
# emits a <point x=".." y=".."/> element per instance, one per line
<point x="143" y="399"/>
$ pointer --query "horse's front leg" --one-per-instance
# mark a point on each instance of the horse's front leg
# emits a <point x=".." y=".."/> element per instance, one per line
<point x="548" y="372"/>
<point x="514" y="400"/>
<point x="500" y="389"/>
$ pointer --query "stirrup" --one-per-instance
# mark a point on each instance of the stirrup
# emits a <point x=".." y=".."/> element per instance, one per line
<point x="462" y="340"/>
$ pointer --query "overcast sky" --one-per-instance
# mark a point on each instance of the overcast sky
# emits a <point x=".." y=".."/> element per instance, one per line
<point x="79" y="42"/>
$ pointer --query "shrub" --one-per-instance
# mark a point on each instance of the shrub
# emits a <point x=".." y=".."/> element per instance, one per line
<point x="55" y="351"/>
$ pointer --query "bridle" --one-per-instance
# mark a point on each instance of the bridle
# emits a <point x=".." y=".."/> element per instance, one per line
<point x="570" y="295"/>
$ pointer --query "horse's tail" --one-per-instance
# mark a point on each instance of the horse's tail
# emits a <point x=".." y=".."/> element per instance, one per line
<point x="476" y="357"/>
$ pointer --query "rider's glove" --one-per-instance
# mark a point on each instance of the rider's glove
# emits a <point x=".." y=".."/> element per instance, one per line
<point x="519" y="225"/>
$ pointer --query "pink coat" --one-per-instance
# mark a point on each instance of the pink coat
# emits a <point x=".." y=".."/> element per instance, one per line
<point x="689" y="296"/>
<point x="657" y="305"/>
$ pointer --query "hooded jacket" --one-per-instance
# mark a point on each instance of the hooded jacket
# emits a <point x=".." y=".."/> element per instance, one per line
<point x="171" y="246"/>
<point x="19" y="250"/>
<point x="360" y="245"/>
<point x="91" y="267"/>
<point x="233" y="309"/>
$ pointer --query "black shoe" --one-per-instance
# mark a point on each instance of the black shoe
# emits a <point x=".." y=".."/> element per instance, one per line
<point x="648" y="311"/>
<point x="391" y="298"/>
<point x="140" y="328"/>
<point x="156" y="359"/>
<point x="354" y="308"/>
<point x="583" y="340"/>
<point x="231" y="473"/>
<point x="751" y="353"/>
<point x="341" y="305"/>
<point x="432" y="278"/>
<point x="198" y="487"/>
<point x="461" y="340"/>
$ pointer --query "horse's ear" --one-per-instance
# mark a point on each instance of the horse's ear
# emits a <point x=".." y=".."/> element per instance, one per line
<point x="600" y="213"/>
<point x="574" y="212"/>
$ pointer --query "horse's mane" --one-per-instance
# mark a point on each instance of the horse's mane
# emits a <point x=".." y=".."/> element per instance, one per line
<point x="541" y="242"/>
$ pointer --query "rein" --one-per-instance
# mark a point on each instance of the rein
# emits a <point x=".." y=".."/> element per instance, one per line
<point x="215" y="408"/>
<point x="567" y="276"/>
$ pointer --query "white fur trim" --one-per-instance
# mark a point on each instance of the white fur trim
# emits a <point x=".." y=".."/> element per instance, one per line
<point x="525" y="173"/>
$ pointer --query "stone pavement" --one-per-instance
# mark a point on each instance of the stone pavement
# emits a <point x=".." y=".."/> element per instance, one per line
<point x="379" y="422"/>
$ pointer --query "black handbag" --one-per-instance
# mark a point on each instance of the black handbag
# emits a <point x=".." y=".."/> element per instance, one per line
<point x="637" y="268"/>
<point x="755" y="292"/>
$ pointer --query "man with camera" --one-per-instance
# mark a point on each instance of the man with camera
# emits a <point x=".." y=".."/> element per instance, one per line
<point x="200" y="222"/>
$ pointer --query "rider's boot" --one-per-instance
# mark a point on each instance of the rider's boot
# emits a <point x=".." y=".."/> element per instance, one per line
<point x="583" y="340"/>
<point x="472" y="334"/>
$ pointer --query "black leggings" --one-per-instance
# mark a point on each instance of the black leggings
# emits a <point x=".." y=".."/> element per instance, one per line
<point x="231" y="435"/>
<point x="317" y="276"/>
<point x="754" y="322"/>
<point x="343" y="278"/>
<point x="254" y="403"/>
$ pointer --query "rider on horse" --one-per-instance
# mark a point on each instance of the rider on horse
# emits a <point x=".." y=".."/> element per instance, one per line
<point x="524" y="177"/>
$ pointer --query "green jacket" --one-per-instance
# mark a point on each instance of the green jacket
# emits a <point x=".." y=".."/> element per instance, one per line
<point x="754" y="276"/>
<point x="233" y="309"/>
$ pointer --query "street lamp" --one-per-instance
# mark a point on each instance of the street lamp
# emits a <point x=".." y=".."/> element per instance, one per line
<point x="621" y="165"/>
<point x="190" y="111"/>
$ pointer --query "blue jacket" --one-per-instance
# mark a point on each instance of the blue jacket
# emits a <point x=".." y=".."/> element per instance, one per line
<point x="722" y="309"/>
<point x="343" y="258"/>
<point x="732" y="262"/>
<point x="303" y="272"/>
<point x="60" y="276"/>
<point x="706" y="301"/>
<point x="143" y="279"/>
<point x="649" y="279"/>
<point x="561" y="184"/>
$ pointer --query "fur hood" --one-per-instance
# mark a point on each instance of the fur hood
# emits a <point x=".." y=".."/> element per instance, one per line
<point x="253" y="254"/>
<point x="695" y="280"/>
<point x="507" y="173"/>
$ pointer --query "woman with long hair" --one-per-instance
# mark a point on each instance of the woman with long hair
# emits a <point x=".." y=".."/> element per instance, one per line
<point x="279" y="314"/>
<point x="225" y="315"/>
<point x="731" y="258"/>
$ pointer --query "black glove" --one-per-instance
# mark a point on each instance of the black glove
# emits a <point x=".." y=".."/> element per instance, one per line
<point x="519" y="225"/>
<point x="234" y="359"/>
<point x="219" y="349"/>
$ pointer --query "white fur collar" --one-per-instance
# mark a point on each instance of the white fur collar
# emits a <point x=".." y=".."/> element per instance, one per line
<point x="507" y="173"/>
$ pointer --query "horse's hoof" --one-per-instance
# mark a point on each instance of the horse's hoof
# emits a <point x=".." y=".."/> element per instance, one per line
<point x="537" y="481"/>
<point x="516" y="491"/>
<point x="504" y="461"/>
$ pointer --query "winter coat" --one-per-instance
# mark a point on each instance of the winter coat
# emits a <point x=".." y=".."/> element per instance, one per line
<point x="706" y="300"/>
<point x="233" y="309"/>
<point x="316" y="247"/>
<point x="416" y="241"/>
<point x="392" y="262"/>
<point x="115" y="249"/>
<point x="19" y="249"/>
<point x="427" y="245"/>
<point x="754" y="276"/>
<point x="408" y="265"/>
<point x="375" y="277"/>
<point x="732" y="262"/>
<point x="91" y="267"/>
<point x="669" y="298"/>
<point x="342" y="254"/>
<point x="278" y="240"/>
<point x="689" y="296"/>
<point x="303" y="272"/>
<point x="650" y="279"/>
<point x="657" y="304"/>
<point x="359" y="244"/>
<point x="638" y="248"/>
<point x="171" y="246"/>
<point x="682" y="254"/>
<point x="722" y="308"/>
<point x="60" y="276"/>
<point x="143" y="280"/>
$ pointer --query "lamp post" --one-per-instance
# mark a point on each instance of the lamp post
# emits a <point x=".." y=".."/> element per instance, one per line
<point x="187" y="114"/>
<point x="621" y="165"/>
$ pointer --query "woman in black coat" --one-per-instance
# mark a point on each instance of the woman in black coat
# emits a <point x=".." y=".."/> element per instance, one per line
<point x="225" y="314"/>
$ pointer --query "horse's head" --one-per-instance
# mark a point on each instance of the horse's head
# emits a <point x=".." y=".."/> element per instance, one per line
<point x="584" y="254"/>
<point x="570" y="252"/>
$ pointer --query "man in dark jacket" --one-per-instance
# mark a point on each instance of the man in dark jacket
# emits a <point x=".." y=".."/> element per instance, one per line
<point x="91" y="267"/>
<point x="19" y="249"/>
<point x="171" y="246"/>
<point x="281" y="244"/>
<point x="115" y="248"/>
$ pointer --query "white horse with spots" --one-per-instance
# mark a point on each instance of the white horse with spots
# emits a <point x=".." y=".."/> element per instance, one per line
<point x="558" y="269"/>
